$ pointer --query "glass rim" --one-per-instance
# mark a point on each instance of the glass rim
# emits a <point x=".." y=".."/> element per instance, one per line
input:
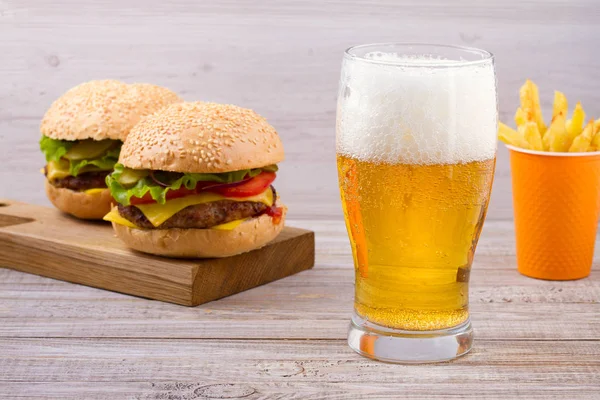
<point x="487" y="56"/>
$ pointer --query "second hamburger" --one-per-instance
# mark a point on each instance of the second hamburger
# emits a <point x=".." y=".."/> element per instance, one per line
<point x="195" y="180"/>
<point x="82" y="133"/>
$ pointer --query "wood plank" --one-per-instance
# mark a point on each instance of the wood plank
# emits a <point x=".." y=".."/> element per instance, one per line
<point x="325" y="369"/>
<point x="314" y="304"/>
<point x="280" y="389"/>
<point x="43" y="241"/>
<point x="283" y="61"/>
<point x="492" y="321"/>
<point x="504" y="285"/>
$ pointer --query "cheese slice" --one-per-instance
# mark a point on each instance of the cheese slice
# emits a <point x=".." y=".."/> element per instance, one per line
<point x="228" y="226"/>
<point x="159" y="213"/>
<point x="60" y="169"/>
<point x="114" y="216"/>
<point x="94" y="191"/>
<point x="57" y="170"/>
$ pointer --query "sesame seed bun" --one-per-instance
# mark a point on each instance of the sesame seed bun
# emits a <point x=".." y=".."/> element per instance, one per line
<point x="202" y="137"/>
<point x="202" y="243"/>
<point x="101" y="110"/>
<point x="80" y="204"/>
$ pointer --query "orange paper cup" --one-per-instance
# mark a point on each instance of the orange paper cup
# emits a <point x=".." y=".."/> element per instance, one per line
<point x="556" y="198"/>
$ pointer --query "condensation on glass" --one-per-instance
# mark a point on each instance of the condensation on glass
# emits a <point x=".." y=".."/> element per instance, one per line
<point x="416" y="147"/>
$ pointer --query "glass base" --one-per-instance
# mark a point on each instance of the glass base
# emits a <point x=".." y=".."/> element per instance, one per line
<point x="410" y="347"/>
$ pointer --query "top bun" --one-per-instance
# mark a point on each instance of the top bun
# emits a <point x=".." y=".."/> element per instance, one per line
<point x="103" y="110"/>
<point x="202" y="137"/>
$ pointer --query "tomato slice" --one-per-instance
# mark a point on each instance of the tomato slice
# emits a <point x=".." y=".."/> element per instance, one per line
<point x="171" y="194"/>
<point x="248" y="188"/>
<point x="134" y="201"/>
<point x="252" y="187"/>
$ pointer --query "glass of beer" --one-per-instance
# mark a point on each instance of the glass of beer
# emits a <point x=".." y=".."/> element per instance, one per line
<point x="416" y="150"/>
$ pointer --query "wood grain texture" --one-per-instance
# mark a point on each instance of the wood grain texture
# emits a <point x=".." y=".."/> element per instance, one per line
<point x="534" y="339"/>
<point x="43" y="241"/>
<point x="280" y="58"/>
<point x="324" y="369"/>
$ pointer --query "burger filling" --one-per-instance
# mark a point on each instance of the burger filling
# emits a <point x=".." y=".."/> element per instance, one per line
<point x="79" y="165"/>
<point x="82" y="182"/>
<point x="166" y="200"/>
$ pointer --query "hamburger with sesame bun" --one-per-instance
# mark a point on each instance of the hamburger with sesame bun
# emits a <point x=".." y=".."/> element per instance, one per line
<point x="82" y="134"/>
<point x="195" y="180"/>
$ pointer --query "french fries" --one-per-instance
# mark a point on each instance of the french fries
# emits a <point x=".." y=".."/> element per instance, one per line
<point x="532" y="135"/>
<point x="557" y="138"/>
<point x="583" y="141"/>
<point x="560" y="106"/>
<point x="530" y="103"/>
<point x="596" y="139"/>
<point x="575" y="124"/>
<point x="563" y="135"/>
<point x="509" y="136"/>
<point x="520" y="117"/>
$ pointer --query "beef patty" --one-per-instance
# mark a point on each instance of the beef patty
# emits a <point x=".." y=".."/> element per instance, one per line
<point x="198" y="216"/>
<point x="81" y="182"/>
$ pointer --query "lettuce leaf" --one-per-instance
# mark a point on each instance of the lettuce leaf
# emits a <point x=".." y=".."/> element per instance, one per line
<point x="54" y="149"/>
<point x="123" y="193"/>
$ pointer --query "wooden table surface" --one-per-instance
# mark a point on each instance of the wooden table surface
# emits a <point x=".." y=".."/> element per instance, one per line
<point x="287" y="340"/>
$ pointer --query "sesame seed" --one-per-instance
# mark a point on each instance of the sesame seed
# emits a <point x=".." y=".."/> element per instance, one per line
<point x="214" y="127"/>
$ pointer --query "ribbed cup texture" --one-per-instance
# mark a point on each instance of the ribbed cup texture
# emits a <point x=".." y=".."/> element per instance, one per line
<point x="556" y="204"/>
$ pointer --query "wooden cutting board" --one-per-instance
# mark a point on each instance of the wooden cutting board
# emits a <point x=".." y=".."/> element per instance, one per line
<point x="43" y="241"/>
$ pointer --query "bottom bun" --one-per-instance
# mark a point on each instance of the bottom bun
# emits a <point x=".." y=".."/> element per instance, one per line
<point x="202" y="243"/>
<point x="80" y="204"/>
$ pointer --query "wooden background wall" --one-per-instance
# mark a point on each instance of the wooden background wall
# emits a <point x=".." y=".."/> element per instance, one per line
<point x="281" y="58"/>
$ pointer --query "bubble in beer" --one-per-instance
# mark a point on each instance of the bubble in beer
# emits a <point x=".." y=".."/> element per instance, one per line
<point x="397" y="109"/>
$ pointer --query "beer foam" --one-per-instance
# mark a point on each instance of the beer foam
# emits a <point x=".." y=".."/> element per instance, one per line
<point x="398" y="109"/>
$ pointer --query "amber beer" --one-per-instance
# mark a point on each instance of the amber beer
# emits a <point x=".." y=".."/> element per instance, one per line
<point x="416" y="147"/>
<point x="413" y="230"/>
